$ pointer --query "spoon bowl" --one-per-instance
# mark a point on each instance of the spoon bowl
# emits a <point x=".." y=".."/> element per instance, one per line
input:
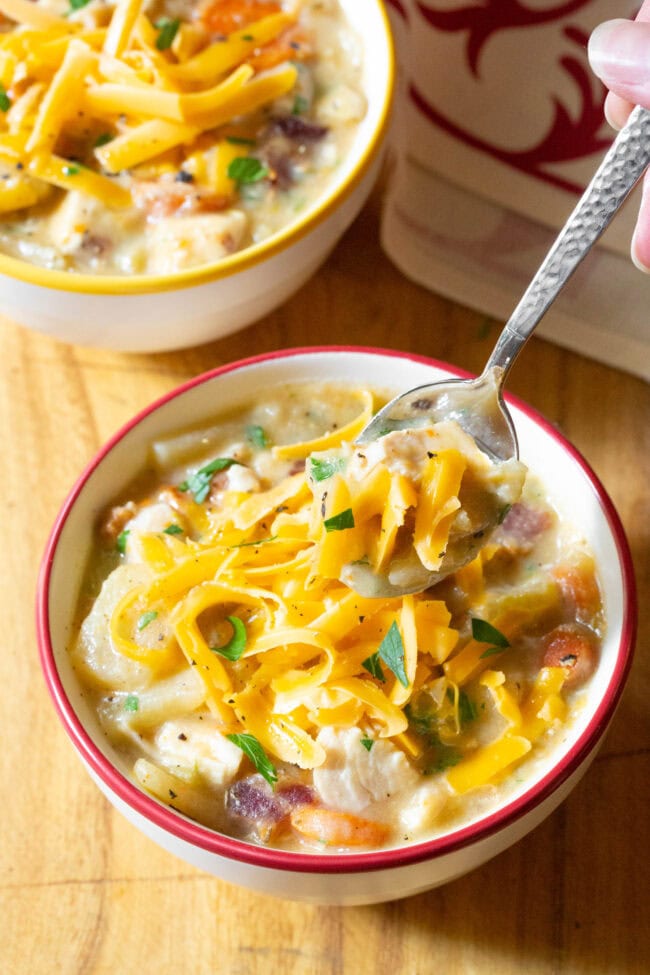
<point x="477" y="405"/>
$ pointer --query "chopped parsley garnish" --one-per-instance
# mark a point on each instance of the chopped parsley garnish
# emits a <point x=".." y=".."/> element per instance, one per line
<point x="260" y="541"/>
<point x="322" y="468"/>
<point x="245" y="169"/>
<point x="236" y="644"/>
<point x="419" y="722"/>
<point x="5" y="100"/>
<point x="446" y="758"/>
<point x="199" y="483"/>
<point x="147" y="618"/>
<point x="300" y="105"/>
<point x="120" y="543"/>
<point x="484" y="632"/>
<point x="391" y="651"/>
<point x="248" y="37"/>
<point x="173" y="530"/>
<point x="78" y="4"/>
<point x="503" y="514"/>
<point x="102" y="139"/>
<point x="367" y="743"/>
<point x="167" y="30"/>
<point x="240" y="140"/>
<point x="256" y="436"/>
<point x="253" y="750"/>
<point x="373" y="666"/>
<point x="338" y="523"/>
<point x="71" y="169"/>
<point x="466" y="708"/>
<point x="131" y="702"/>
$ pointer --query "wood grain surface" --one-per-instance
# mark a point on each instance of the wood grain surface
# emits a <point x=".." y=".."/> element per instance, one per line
<point x="82" y="892"/>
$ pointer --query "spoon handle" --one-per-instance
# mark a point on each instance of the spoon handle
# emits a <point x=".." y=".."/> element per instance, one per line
<point x="624" y="164"/>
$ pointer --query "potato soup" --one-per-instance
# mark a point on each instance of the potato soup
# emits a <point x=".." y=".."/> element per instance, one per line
<point x="253" y="691"/>
<point x="149" y="137"/>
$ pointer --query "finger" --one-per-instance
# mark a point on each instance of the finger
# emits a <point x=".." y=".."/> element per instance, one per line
<point x="617" y="110"/>
<point x="641" y="238"/>
<point x="619" y="56"/>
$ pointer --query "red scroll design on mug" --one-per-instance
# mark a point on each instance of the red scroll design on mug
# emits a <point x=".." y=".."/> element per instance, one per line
<point x="398" y="6"/>
<point x="570" y="136"/>
<point x="491" y="17"/>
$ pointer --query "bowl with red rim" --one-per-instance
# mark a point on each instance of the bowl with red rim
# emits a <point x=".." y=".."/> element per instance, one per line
<point x="355" y="877"/>
<point x="186" y="306"/>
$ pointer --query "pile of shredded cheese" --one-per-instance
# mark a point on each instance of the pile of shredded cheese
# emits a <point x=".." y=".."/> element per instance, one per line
<point x="307" y="652"/>
<point x="131" y="93"/>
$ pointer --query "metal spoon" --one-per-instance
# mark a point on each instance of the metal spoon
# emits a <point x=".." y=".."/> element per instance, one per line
<point x="477" y="405"/>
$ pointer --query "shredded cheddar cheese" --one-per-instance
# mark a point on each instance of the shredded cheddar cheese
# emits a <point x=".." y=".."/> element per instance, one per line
<point x="269" y="558"/>
<point x="68" y="84"/>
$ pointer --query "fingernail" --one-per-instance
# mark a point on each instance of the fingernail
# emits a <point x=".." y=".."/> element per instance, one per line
<point x="641" y="237"/>
<point x="619" y="52"/>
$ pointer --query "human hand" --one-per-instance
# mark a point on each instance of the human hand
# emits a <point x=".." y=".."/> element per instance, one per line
<point x="619" y="54"/>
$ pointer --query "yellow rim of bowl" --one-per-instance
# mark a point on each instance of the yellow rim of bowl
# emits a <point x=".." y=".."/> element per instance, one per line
<point x="242" y="260"/>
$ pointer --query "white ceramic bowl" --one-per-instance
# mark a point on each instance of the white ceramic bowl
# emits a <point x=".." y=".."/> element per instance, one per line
<point x="357" y="877"/>
<point x="157" y="312"/>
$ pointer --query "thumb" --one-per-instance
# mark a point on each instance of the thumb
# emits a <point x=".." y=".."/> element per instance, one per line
<point x="619" y="54"/>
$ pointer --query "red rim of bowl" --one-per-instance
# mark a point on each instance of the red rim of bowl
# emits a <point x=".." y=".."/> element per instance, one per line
<point x="238" y="850"/>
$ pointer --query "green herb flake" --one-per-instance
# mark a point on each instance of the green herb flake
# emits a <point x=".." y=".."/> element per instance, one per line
<point x="260" y="541"/>
<point x="173" y="530"/>
<point x="367" y="743"/>
<point x="338" y="523"/>
<point x="247" y="37"/>
<point x="236" y="644"/>
<point x="120" y="542"/>
<point x="484" y="632"/>
<point x="391" y="651"/>
<point x="102" y="140"/>
<point x="78" y="4"/>
<point x="300" y="105"/>
<point x="322" y="468"/>
<point x="491" y="652"/>
<point x="253" y="750"/>
<point x="245" y="169"/>
<point x="446" y="758"/>
<point x="5" y="100"/>
<point x="71" y="169"/>
<point x="200" y="481"/>
<point x="466" y="709"/>
<point x="131" y="702"/>
<point x="373" y="666"/>
<point x="147" y="618"/>
<point x="503" y="514"/>
<point x="240" y="140"/>
<point x="256" y="436"/>
<point x="167" y="30"/>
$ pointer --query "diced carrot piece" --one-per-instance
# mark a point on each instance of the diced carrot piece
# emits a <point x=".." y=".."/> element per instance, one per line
<point x="579" y="587"/>
<point x="573" y="648"/>
<point x="292" y="45"/>
<point x="226" y="16"/>
<point x="336" y="828"/>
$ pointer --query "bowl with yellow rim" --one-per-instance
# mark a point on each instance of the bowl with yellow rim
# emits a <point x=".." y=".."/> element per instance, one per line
<point x="354" y="876"/>
<point x="194" y="302"/>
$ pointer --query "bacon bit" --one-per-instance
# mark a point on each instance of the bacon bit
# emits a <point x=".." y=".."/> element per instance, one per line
<point x="334" y="828"/>
<point x="572" y="647"/>
<point x="294" y="44"/>
<point x="163" y="199"/>
<point x="267" y="811"/>
<point x="114" y="521"/>
<point x="226" y="16"/>
<point x="520" y="528"/>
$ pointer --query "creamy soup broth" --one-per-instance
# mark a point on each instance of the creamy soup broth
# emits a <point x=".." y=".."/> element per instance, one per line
<point x="152" y="183"/>
<point x="275" y="705"/>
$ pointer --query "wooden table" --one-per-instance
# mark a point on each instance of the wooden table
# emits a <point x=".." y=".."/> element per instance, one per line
<point x="83" y="892"/>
